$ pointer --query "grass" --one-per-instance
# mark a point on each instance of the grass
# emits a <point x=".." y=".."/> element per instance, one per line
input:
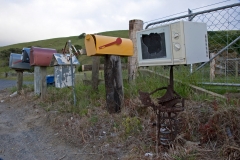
<point x="88" y="122"/>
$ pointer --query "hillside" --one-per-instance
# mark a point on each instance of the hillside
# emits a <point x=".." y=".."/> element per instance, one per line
<point x="58" y="43"/>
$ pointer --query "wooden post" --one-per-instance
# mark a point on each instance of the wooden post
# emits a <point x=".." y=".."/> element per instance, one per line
<point x="134" y="26"/>
<point x="37" y="80"/>
<point x="113" y="83"/>
<point x="43" y="72"/>
<point x="40" y="84"/>
<point x="95" y="72"/>
<point x="19" y="80"/>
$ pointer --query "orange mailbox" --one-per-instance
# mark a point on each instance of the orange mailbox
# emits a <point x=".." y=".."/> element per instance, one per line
<point x="41" y="56"/>
<point x="101" y="45"/>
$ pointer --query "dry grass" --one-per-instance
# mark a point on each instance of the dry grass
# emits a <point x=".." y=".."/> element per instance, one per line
<point x="209" y="129"/>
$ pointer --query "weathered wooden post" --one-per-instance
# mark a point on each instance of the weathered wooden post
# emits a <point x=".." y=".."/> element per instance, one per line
<point x="43" y="83"/>
<point x="134" y="26"/>
<point x="40" y="84"/>
<point x="113" y="83"/>
<point x="37" y="80"/>
<point x="19" y="79"/>
<point x="112" y="48"/>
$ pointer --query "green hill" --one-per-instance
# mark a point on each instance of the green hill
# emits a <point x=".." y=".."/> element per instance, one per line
<point x="55" y="43"/>
<point x="58" y="43"/>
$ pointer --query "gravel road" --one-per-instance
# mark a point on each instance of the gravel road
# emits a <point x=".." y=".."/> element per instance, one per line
<point x="25" y="133"/>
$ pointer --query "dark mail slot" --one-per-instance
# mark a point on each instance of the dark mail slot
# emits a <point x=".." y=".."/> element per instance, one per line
<point x="15" y="62"/>
<point x="41" y="56"/>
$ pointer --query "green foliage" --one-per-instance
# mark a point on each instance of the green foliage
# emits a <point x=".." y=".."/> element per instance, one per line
<point x="93" y="120"/>
<point x="81" y="36"/>
<point x="80" y="68"/>
<point x="4" y="54"/>
<point x="78" y="47"/>
<point x="219" y="39"/>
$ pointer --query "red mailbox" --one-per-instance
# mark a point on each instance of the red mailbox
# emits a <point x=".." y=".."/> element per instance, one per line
<point x="41" y="56"/>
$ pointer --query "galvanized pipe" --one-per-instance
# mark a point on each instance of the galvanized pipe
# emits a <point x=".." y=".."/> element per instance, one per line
<point x="73" y="88"/>
<point x="218" y="53"/>
<point x="192" y="15"/>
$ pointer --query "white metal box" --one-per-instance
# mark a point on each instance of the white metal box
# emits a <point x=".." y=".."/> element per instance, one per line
<point x="182" y="42"/>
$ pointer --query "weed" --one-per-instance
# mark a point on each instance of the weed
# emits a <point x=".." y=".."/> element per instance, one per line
<point x="93" y="120"/>
<point x="131" y="125"/>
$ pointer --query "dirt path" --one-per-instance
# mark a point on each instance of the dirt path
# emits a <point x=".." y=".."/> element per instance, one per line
<point x="25" y="133"/>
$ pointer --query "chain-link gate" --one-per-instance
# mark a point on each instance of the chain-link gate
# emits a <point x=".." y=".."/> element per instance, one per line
<point x="223" y="25"/>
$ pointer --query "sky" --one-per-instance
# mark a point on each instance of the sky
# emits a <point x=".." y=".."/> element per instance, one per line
<point x="32" y="20"/>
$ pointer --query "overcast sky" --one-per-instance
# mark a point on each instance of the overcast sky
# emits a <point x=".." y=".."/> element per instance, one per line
<point x="31" y="20"/>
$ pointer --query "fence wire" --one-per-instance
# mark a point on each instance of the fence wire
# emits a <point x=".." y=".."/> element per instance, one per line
<point x="222" y="73"/>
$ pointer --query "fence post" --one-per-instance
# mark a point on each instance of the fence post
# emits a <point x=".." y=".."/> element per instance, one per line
<point x="134" y="26"/>
<point x="113" y="83"/>
<point x="19" y="80"/>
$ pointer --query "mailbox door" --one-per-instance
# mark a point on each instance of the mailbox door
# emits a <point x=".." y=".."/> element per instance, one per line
<point x="63" y="76"/>
<point x="15" y="62"/>
<point x="41" y="56"/>
<point x="102" y="45"/>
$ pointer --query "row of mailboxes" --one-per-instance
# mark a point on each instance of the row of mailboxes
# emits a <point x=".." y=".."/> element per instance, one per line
<point x="33" y="56"/>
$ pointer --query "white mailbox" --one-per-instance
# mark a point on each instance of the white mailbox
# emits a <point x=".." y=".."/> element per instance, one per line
<point x="62" y="69"/>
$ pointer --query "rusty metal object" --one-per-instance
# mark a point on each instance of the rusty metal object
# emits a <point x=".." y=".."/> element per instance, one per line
<point x="166" y="109"/>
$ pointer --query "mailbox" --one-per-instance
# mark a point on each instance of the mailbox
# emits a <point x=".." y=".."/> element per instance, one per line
<point x="41" y="56"/>
<point x="26" y="55"/>
<point x="104" y="45"/>
<point x="62" y="69"/>
<point x="15" y="62"/>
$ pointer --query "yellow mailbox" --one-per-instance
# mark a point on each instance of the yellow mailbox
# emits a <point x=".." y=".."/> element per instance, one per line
<point x="101" y="45"/>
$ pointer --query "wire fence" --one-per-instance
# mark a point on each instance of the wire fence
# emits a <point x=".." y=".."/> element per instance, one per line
<point x="222" y="73"/>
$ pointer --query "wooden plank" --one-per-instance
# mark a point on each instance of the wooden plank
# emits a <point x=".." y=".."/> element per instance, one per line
<point x="37" y="80"/>
<point x="43" y="74"/>
<point x="19" y="80"/>
<point x="113" y="83"/>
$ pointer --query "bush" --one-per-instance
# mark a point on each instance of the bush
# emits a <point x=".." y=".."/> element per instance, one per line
<point x="82" y="35"/>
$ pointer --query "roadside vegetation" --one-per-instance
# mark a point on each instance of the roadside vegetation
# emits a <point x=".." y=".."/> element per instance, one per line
<point x="209" y="126"/>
